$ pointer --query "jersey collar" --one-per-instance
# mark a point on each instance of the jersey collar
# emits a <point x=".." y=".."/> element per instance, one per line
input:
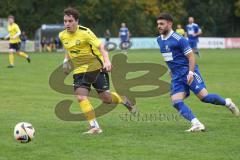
<point x="169" y="34"/>
<point x="192" y="24"/>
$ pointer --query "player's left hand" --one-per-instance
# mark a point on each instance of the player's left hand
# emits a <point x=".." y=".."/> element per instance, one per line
<point x="190" y="77"/>
<point x="66" y="66"/>
<point x="107" y="66"/>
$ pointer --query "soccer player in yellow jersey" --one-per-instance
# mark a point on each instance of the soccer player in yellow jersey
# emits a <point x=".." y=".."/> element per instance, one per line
<point x="14" y="41"/>
<point x="91" y="64"/>
<point x="180" y="30"/>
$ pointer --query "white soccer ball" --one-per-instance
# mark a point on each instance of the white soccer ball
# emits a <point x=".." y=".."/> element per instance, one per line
<point x="24" y="132"/>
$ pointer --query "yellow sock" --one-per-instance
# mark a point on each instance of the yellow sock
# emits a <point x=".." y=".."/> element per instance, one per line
<point x="116" y="98"/>
<point x="11" y="59"/>
<point x="22" y="54"/>
<point x="87" y="109"/>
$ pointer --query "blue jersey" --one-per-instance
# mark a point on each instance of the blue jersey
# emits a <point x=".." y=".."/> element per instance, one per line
<point x="192" y="29"/>
<point x="174" y="49"/>
<point x="123" y="32"/>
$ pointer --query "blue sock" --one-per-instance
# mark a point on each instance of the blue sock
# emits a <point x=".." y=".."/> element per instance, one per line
<point x="214" y="99"/>
<point x="184" y="110"/>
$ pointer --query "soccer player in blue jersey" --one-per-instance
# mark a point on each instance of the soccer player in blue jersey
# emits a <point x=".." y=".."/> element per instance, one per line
<point x="185" y="73"/>
<point x="193" y="31"/>
<point x="124" y="33"/>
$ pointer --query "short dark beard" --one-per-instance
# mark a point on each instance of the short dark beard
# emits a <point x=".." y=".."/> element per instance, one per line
<point x="166" y="32"/>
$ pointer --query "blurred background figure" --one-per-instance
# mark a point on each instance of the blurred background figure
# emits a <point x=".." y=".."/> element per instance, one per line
<point x="52" y="46"/>
<point x="14" y="41"/>
<point x="193" y="32"/>
<point x="180" y="30"/>
<point x="23" y="38"/>
<point x="124" y="36"/>
<point x="43" y="44"/>
<point x="107" y="35"/>
<point x="124" y="33"/>
<point x="57" y="43"/>
<point x="109" y="46"/>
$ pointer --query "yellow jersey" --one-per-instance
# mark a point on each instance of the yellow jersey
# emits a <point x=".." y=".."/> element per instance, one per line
<point x="13" y="29"/>
<point x="180" y="31"/>
<point x="82" y="47"/>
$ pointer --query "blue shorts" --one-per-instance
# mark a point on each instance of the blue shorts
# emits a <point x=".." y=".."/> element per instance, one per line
<point x="193" y="45"/>
<point x="180" y="84"/>
<point x="124" y="38"/>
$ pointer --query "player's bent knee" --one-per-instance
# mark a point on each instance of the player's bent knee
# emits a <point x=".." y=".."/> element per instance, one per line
<point x="106" y="98"/>
<point x="177" y="103"/>
<point x="206" y="99"/>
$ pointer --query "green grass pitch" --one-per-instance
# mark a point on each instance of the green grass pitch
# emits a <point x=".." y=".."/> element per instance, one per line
<point x="26" y="96"/>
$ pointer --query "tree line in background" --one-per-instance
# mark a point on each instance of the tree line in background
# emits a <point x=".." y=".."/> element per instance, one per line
<point x="216" y="17"/>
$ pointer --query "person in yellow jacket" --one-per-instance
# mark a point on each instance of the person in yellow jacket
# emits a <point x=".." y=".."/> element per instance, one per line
<point x="14" y="41"/>
<point x="180" y="30"/>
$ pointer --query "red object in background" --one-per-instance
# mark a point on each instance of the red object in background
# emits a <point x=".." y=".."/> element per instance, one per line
<point x="232" y="42"/>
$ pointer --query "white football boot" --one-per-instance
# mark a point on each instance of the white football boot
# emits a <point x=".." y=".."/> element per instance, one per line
<point x="232" y="107"/>
<point x="196" y="127"/>
<point x="93" y="130"/>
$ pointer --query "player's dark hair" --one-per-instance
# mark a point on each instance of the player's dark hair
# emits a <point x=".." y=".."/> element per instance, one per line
<point x="165" y="16"/>
<point x="11" y="16"/>
<point x="71" y="11"/>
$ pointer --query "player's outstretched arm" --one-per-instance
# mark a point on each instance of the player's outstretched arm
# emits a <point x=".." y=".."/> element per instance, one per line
<point x="191" y="59"/>
<point x="17" y="35"/>
<point x="106" y="64"/>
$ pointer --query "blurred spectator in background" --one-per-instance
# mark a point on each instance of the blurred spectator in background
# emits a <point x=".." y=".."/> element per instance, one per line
<point x="2" y="30"/>
<point x="180" y="30"/>
<point x="124" y="36"/>
<point x="23" y="38"/>
<point x="107" y="35"/>
<point x="193" y="32"/>
<point x="52" y="46"/>
<point x="44" y="44"/>
<point x="124" y="33"/>
<point x="57" y="43"/>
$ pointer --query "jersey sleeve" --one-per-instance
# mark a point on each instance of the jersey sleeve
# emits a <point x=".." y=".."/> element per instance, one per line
<point x="92" y="39"/>
<point x="17" y="29"/>
<point x="197" y="28"/>
<point x="185" y="47"/>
